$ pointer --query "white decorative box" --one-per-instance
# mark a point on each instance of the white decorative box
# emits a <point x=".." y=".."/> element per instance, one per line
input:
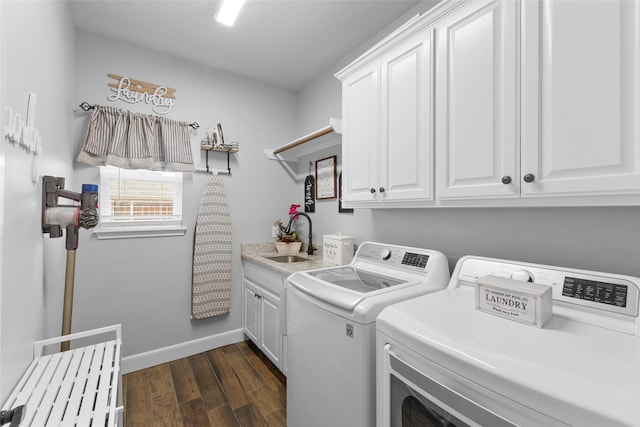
<point x="337" y="248"/>
<point x="524" y="302"/>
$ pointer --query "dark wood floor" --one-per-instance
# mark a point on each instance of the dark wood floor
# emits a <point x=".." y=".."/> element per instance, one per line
<point x="234" y="385"/>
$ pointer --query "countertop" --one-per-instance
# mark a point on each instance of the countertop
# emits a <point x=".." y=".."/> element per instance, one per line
<point x="258" y="253"/>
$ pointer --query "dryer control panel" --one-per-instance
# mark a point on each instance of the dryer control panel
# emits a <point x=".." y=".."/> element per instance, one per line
<point x="596" y="290"/>
<point x="589" y="289"/>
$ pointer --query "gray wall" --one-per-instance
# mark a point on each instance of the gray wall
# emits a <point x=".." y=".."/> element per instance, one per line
<point x="37" y="56"/>
<point x="145" y="283"/>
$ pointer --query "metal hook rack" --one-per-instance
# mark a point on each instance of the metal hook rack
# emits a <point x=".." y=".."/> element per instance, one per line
<point x="221" y="150"/>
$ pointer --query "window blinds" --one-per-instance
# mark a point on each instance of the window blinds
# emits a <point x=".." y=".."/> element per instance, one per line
<point x="138" y="196"/>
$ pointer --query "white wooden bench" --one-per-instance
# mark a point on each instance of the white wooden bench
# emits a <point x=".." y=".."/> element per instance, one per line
<point x="78" y="387"/>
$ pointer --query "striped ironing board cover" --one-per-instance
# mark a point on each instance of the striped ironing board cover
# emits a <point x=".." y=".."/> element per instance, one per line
<point x="211" y="286"/>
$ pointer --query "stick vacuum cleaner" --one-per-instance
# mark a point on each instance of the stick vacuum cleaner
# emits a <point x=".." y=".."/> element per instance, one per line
<point x="55" y="217"/>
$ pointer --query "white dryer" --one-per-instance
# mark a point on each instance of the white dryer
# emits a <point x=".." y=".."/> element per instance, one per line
<point x="331" y="316"/>
<point x="442" y="362"/>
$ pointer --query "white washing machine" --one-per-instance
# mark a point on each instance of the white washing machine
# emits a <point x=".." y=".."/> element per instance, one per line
<point x="441" y="362"/>
<point x="331" y="316"/>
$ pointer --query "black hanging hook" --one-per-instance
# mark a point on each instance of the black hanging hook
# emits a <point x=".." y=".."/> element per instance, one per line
<point x="86" y="106"/>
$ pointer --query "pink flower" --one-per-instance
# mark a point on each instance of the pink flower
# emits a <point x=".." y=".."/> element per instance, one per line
<point x="293" y="209"/>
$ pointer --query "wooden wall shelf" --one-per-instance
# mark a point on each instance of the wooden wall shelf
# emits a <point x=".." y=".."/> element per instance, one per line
<point x="222" y="150"/>
<point x="323" y="138"/>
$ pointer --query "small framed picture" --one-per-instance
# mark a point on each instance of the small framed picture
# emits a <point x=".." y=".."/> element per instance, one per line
<point x="326" y="178"/>
<point x="340" y="208"/>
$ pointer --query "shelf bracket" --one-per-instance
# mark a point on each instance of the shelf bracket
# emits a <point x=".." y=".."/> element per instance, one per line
<point x="229" y="151"/>
<point x="206" y="154"/>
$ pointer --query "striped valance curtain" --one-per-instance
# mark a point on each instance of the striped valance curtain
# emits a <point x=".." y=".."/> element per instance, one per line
<point x="136" y="141"/>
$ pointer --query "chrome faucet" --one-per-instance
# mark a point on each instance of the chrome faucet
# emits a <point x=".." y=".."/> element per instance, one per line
<point x="310" y="248"/>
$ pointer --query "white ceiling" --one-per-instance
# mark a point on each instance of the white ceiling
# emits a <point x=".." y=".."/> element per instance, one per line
<point x="287" y="43"/>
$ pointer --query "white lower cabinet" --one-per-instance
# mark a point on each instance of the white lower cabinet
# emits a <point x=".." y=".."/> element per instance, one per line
<point x="270" y="329"/>
<point x="262" y="321"/>
<point x="263" y="311"/>
<point x="251" y="312"/>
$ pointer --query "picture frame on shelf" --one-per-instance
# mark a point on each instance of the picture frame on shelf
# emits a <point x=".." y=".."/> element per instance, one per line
<point x="340" y="208"/>
<point x="326" y="178"/>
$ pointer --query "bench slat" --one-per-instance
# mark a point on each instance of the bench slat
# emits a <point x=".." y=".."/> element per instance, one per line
<point x="104" y="400"/>
<point x="75" y="399"/>
<point x="35" y="388"/>
<point x="116" y="412"/>
<point x="58" y="364"/>
<point x="89" y="397"/>
<point x="65" y="387"/>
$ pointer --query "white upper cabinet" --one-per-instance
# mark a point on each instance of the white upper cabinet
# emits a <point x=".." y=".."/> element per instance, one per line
<point x="360" y="120"/>
<point x="522" y="103"/>
<point x="406" y="130"/>
<point x="477" y="140"/>
<point x="581" y="98"/>
<point x="387" y="150"/>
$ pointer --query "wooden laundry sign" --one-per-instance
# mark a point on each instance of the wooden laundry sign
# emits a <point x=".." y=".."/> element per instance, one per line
<point x="134" y="91"/>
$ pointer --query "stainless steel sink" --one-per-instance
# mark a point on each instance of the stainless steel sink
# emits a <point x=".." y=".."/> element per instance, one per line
<point x="287" y="259"/>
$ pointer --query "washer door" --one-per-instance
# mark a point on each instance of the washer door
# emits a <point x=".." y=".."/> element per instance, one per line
<point x="355" y="279"/>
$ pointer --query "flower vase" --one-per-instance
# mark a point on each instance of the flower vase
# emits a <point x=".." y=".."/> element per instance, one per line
<point x="288" y="248"/>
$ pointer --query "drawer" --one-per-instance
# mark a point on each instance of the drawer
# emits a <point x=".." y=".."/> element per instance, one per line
<point x="268" y="279"/>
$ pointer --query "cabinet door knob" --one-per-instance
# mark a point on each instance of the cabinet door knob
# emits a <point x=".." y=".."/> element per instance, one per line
<point x="382" y="189"/>
<point x="373" y="190"/>
<point x="506" y="179"/>
<point x="529" y="177"/>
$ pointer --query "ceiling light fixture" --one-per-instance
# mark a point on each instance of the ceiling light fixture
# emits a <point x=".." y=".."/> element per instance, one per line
<point x="228" y="11"/>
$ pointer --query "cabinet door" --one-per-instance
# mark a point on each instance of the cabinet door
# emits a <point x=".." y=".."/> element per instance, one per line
<point x="251" y="306"/>
<point x="476" y="101"/>
<point x="360" y="132"/>
<point x="581" y="97"/>
<point x="406" y="122"/>
<point x="271" y="336"/>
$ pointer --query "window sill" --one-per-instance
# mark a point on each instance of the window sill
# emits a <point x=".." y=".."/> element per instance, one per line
<point x="138" y="232"/>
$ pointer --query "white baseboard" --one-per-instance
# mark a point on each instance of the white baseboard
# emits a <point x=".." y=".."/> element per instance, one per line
<point x="178" y="351"/>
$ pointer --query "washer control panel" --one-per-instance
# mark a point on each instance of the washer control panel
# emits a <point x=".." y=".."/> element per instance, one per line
<point x="413" y="259"/>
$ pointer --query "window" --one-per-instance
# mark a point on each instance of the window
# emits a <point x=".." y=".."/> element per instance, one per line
<point x="139" y="203"/>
